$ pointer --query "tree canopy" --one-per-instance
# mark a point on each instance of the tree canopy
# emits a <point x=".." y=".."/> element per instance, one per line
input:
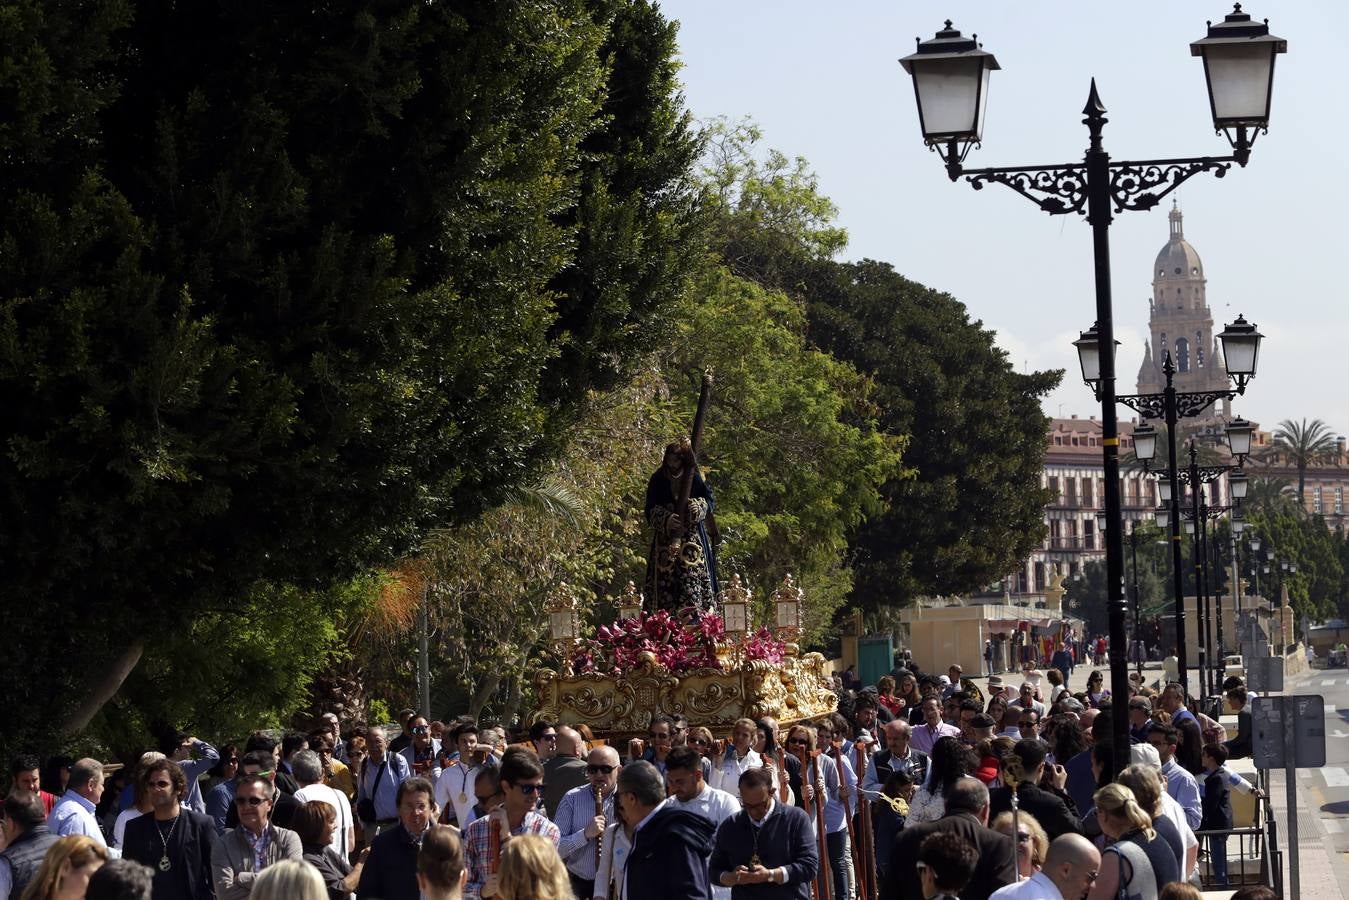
<point x="282" y="286"/>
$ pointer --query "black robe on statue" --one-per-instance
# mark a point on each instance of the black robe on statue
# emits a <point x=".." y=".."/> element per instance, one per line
<point x="683" y="574"/>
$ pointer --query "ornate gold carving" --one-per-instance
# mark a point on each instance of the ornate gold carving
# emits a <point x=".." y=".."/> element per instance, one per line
<point x="623" y="706"/>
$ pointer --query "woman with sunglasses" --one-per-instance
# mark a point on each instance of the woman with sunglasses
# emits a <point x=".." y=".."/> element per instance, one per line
<point x="1032" y="843"/>
<point x="225" y="769"/>
<point x="1096" y="693"/>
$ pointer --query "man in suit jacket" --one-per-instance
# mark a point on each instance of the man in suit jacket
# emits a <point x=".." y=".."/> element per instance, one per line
<point x="1239" y="747"/>
<point x="173" y="840"/>
<point x="767" y="849"/>
<point x="1049" y="810"/>
<point x="670" y="847"/>
<point x="966" y="816"/>
<point x="241" y="853"/>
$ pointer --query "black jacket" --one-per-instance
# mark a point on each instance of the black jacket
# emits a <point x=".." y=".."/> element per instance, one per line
<point x="1049" y="810"/>
<point x="1189" y="753"/>
<point x="668" y="860"/>
<point x="189" y="874"/>
<point x="390" y="871"/>
<point x="1216" y="804"/>
<point x="24" y="857"/>
<point x="996" y="867"/>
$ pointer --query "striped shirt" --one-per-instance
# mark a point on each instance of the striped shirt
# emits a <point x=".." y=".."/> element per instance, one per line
<point x="574" y="814"/>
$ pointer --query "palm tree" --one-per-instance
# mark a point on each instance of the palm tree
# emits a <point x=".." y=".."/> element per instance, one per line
<point x="1270" y="496"/>
<point x="1303" y="444"/>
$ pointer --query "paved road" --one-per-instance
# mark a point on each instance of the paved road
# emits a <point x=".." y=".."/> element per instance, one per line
<point x="1323" y="794"/>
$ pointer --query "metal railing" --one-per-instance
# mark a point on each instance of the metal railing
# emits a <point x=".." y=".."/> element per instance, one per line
<point x="1257" y="860"/>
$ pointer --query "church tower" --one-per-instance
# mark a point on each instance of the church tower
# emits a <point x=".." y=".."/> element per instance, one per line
<point x="1179" y="322"/>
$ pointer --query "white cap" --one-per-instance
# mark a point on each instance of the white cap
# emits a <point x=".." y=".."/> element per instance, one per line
<point x="1146" y="754"/>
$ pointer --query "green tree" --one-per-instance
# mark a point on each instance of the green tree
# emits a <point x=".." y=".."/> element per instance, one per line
<point x="280" y="290"/>
<point x="968" y="507"/>
<point x="974" y="508"/>
<point x="1303" y="444"/>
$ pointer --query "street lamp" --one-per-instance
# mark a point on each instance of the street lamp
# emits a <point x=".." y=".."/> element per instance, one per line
<point x="1241" y="347"/>
<point x="1239" y="68"/>
<point x="950" y="82"/>
<point x="950" y="78"/>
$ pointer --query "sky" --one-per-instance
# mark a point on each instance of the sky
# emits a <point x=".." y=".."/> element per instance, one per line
<point x="823" y="82"/>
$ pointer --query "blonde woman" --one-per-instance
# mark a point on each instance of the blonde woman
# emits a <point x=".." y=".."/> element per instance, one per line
<point x="1138" y="861"/>
<point x="441" y="873"/>
<point x="1032" y="843"/>
<point x="66" y="868"/>
<point x="289" y="879"/>
<point x="532" y="870"/>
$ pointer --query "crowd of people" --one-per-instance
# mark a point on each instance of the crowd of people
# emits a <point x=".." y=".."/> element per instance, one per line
<point x="922" y="786"/>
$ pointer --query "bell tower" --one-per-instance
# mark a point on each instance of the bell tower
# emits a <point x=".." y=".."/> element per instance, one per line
<point x="1179" y="322"/>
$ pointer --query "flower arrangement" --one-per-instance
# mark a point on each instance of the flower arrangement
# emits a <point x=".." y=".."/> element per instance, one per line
<point x="678" y="646"/>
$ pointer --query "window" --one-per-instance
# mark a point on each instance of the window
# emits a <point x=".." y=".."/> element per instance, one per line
<point x="1339" y="500"/>
<point x="1316" y="500"/>
<point x="1182" y="355"/>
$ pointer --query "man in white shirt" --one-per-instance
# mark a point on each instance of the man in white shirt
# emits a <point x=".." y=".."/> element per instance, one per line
<point x="74" y="812"/>
<point x="1071" y="865"/>
<point x="684" y="779"/>
<point x="1180" y="784"/>
<point x="454" y="787"/>
<point x="307" y="768"/>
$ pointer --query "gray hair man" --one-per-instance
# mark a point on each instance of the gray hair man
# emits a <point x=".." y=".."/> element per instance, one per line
<point x="307" y="768"/>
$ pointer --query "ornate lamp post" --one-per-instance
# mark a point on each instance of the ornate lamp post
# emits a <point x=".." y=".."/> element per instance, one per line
<point x="630" y="602"/>
<point x="789" y="603"/>
<point x="950" y="78"/>
<point x="734" y="600"/>
<point x="564" y="624"/>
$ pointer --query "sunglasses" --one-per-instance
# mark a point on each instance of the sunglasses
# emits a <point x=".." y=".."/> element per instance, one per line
<point x="548" y="737"/>
<point x="798" y="742"/>
<point x="530" y="790"/>
<point x="160" y="784"/>
<point x="599" y="770"/>
<point x="698" y="740"/>
<point x="1091" y="877"/>
<point x="1023" y="837"/>
<point x="483" y="801"/>
<point x="249" y="801"/>
<point x="420" y="729"/>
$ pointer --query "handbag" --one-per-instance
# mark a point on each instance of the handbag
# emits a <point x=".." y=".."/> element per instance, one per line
<point x="365" y="806"/>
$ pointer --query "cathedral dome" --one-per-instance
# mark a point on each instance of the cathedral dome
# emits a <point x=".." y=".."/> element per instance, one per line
<point x="1177" y="259"/>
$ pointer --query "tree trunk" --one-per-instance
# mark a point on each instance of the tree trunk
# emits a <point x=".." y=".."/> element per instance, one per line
<point x="100" y="686"/>
<point x="482" y="693"/>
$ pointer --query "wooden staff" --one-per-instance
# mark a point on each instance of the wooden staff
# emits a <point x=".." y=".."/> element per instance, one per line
<point x="858" y="868"/>
<point x="808" y="804"/>
<point x="493" y="847"/>
<point x="822" y="888"/>
<point x="599" y="838"/>
<point x="784" y="784"/>
<point x="871" y="881"/>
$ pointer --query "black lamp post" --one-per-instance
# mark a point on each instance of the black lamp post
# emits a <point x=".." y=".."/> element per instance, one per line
<point x="1196" y="524"/>
<point x="1136" y="644"/>
<point x="1241" y="350"/>
<point x="950" y="80"/>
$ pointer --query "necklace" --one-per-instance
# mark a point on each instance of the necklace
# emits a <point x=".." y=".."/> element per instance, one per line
<point x="164" y="864"/>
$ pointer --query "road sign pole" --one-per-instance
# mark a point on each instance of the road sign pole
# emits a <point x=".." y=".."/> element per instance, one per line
<point x="1290" y="779"/>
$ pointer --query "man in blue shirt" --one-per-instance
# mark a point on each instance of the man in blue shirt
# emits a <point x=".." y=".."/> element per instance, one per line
<point x="74" y="812"/>
<point x="381" y="774"/>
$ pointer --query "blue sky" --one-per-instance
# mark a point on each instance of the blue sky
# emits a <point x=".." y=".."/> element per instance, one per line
<point x="823" y="82"/>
